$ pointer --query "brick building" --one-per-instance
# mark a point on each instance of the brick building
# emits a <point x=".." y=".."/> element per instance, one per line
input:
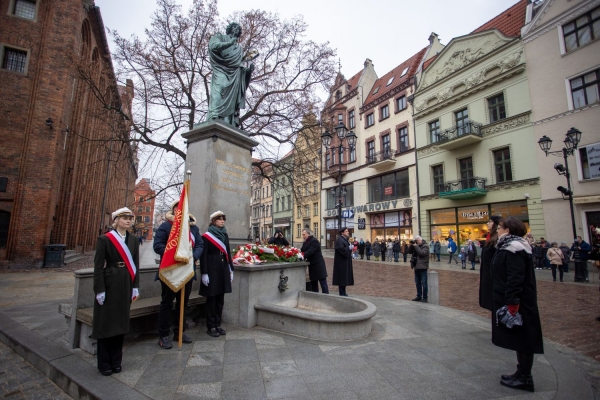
<point x="65" y="163"/>
<point x="143" y="208"/>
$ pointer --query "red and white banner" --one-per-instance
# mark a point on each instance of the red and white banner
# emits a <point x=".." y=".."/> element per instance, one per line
<point x="177" y="265"/>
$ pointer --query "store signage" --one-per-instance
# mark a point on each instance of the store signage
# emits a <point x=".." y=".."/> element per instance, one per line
<point x="348" y="213"/>
<point x="388" y="190"/>
<point x="475" y="215"/>
<point x="587" y="199"/>
<point x="367" y="208"/>
<point x="362" y="223"/>
<point x="593" y="156"/>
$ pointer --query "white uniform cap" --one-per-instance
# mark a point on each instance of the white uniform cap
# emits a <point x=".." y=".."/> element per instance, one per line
<point x="122" y="212"/>
<point x="216" y="214"/>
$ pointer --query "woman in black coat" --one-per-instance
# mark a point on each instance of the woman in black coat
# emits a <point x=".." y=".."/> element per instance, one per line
<point x="216" y="268"/>
<point x="116" y="285"/>
<point x="317" y="272"/>
<point x="485" y="266"/>
<point x="472" y="253"/>
<point x="368" y="250"/>
<point x="361" y="249"/>
<point x="513" y="280"/>
<point x="342" y="262"/>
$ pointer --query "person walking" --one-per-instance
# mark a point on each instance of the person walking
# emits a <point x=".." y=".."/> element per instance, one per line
<point x="485" y="267"/>
<point x="376" y="249"/>
<point x="165" y="310"/>
<point x="581" y="250"/>
<point x="317" y="272"/>
<point x="355" y="250"/>
<point x="404" y="250"/>
<point x="343" y="275"/>
<point x="545" y="247"/>
<point x="472" y="253"/>
<point x="556" y="258"/>
<point x="431" y="253"/>
<point x="396" y="249"/>
<point x="216" y="268"/>
<point x="419" y="262"/>
<point x="566" y="250"/>
<point x="451" y="250"/>
<point x="361" y="248"/>
<point x="513" y="280"/>
<point x="368" y="250"/>
<point x="462" y="256"/>
<point x="116" y="286"/>
<point x="437" y="249"/>
<point x="390" y="249"/>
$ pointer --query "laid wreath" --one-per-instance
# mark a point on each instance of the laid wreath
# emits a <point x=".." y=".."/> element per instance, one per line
<point x="253" y="254"/>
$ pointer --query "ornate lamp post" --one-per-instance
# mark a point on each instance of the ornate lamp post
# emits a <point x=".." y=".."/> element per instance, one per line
<point x="351" y="140"/>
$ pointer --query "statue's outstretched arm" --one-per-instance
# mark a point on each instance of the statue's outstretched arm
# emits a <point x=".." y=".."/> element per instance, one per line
<point x="216" y="45"/>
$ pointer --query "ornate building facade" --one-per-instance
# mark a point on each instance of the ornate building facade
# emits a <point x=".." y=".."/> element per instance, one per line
<point x="474" y="138"/>
<point x="65" y="165"/>
<point x="143" y="208"/>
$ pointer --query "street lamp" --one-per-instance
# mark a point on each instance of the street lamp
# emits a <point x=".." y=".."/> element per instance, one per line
<point x="350" y="137"/>
<point x="573" y="136"/>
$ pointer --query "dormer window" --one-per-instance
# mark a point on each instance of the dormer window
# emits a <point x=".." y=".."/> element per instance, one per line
<point x="338" y="95"/>
<point x="404" y="72"/>
<point x="376" y="90"/>
<point x="389" y="82"/>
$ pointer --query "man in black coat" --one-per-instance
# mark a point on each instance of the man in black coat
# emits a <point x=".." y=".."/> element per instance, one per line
<point x="317" y="272"/>
<point x="167" y="295"/>
<point x="342" y="262"/>
<point x="278" y="239"/>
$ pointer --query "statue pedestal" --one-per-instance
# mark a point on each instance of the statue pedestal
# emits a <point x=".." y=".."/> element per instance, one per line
<point x="220" y="158"/>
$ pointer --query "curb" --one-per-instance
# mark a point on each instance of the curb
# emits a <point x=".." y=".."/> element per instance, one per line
<point x="76" y="377"/>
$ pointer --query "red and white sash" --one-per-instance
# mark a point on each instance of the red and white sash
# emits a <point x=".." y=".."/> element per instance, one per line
<point x="214" y="240"/>
<point x="123" y="251"/>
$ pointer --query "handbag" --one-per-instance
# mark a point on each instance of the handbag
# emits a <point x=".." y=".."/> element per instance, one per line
<point x="449" y="250"/>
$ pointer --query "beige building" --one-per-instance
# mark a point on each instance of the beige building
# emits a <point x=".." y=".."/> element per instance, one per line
<point x="562" y="50"/>
<point x="261" y="220"/>
<point x="475" y="141"/>
<point x="379" y="175"/>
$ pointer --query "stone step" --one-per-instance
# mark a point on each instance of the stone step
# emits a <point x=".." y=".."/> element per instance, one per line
<point x="73" y="258"/>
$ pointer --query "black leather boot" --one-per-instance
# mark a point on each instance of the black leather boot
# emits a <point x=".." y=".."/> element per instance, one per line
<point x="521" y="382"/>
<point x="512" y="376"/>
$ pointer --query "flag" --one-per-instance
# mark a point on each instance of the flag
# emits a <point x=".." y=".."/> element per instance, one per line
<point x="177" y="265"/>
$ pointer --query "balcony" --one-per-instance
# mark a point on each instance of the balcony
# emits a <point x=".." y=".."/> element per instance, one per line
<point x="459" y="136"/>
<point x="335" y="170"/>
<point x="381" y="160"/>
<point x="463" y="189"/>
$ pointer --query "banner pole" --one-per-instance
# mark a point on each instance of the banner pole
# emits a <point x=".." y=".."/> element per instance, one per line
<point x="181" y="314"/>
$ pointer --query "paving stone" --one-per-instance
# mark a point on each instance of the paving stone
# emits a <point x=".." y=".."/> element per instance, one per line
<point x="285" y="386"/>
<point x="241" y="351"/>
<point x="241" y="372"/>
<point x="242" y="390"/>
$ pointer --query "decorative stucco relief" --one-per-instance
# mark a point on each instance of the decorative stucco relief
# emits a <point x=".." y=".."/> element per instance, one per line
<point x="427" y="151"/>
<point x="472" y="80"/>
<point x="513" y="184"/>
<point x="506" y="125"/>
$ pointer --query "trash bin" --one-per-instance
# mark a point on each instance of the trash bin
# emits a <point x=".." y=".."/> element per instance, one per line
<point x="55" y="255"/>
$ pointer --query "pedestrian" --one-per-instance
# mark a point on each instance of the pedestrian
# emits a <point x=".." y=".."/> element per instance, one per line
<point x="451" y="250"/>
<point x="343" y="275"/>
<point x="376" y="249"/>
<point x="361" y="248"/>
<point x="538" y="255"/>
<point x="463" y="257"/>
<point x="545" y="261"/>
<point x="419" y="262"/>
<point x="368" y="250"/>
<point x="390" y="249"/>
<point x="355" y="250"/>
<point x="383" y="248"/>
<point x="485" y="267"/>
<point x="556" y="258"/>
<point x="472" y="253"/>
<point x="405" y="250"/>
<point x="167" y="296"/>
<point x="116" y="286"/>
<point x="513" y="280"/>
<point x="529" y="238"/>
<point x="278" y="239"/>
<point x="216" y="268"/>
<point x="581" y="250"/>
<point x="141" y="242"/>
<point x="317" y="272"/>
<point x="431" y="253"/>
<point x="396" y="249"/>
<point x="566" y="250"/>
<point x="437" y="249"/>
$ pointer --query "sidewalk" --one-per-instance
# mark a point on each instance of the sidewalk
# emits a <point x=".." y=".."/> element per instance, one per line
<point x="415" y="351"/>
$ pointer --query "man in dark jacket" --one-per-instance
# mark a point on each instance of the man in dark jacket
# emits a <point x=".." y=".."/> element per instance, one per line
<point x="581" y="252"/>
<point x="419" y="261"/>
<point x="317" y="272"/>
<point x="278" y="239"/>
<point x="167" y="295"/>
<point x="538" y="255"/>
<point x="342" y="262"/>
<point x="396" y="249"/>
<point x="437" y="249"/>
<point x="361" y="248"/>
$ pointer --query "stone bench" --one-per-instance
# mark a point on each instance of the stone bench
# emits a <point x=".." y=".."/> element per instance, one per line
<point x="143" y="315"/>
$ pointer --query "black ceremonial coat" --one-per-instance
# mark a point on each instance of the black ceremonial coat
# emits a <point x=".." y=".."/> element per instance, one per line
<point x="312" y="253"/>
<point x="513" y="278"/>
<point x="214" y="263"/>
<point x="485" y="277"/>
<point x="112" y="318"/>
<point x="342" y="263"/>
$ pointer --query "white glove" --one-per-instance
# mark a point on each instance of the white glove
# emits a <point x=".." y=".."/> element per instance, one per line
<point x="205" y="279"/>
<point x="100" y="297"/>
<point x="351" y="247"/>
<point x="135" y="294"/>
<point x="231" y="276"/>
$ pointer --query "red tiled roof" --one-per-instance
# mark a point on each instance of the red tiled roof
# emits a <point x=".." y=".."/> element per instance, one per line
<point x="289" y="153"/>
<point x="508" y="22"/>
<point x="412" y="64"/>
<point x="428" y="62"/>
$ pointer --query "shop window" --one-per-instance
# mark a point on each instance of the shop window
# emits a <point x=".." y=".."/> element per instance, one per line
<point x="502" y="165"/>
<point x="388" y="187"/>
<point x="583" y="30"/>
<point x="517" y="209"/>
<point x="443" y="217"/>
<point x="584" y="89"/>
<point x="496" y="108"/>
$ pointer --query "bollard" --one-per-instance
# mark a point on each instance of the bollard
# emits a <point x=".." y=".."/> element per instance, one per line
<point x="433" y="284"/>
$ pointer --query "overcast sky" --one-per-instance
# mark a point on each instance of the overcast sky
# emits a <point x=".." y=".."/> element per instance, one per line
<point x="386" y="31"/>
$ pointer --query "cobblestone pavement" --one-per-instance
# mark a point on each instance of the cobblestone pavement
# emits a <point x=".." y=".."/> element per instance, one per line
<point x="21" y="380"/>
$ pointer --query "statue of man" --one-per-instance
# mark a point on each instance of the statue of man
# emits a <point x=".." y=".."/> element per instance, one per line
<point x="230" y="78"/>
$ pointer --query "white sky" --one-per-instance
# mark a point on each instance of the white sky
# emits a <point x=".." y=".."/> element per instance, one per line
<point x="386" y="31"/>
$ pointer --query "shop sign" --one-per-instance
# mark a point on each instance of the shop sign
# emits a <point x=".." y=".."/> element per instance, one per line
<point x="388" y="190"/>
<point x="477" y="215"/>
<point x="593" y="156"/>
<point x="368" y="208"/>
<point x="362" y="223"/>
<point x="587" y="199"/>
<point x="391" y="219"/>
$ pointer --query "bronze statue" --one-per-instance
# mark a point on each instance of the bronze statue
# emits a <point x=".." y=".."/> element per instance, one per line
<point x="230" y="79"/>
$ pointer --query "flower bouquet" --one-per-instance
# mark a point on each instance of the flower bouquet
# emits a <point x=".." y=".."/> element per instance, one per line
<point x="253" y="254"/>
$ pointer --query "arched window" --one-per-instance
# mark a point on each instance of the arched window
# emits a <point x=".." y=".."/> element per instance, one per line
<point x="4" y="223"/>
<point x="338" y="95"/>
